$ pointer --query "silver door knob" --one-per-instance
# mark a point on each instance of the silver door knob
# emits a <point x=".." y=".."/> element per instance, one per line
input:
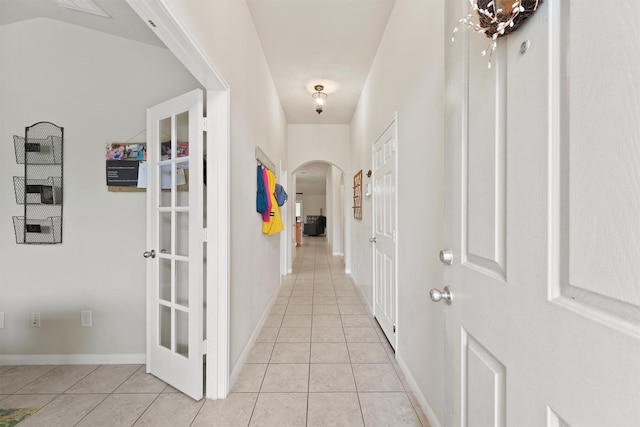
<point x="373" y="240"/>
<point x="446" y="256"/>
<point x="438" y="295"/>
<point x="149" y="254"/>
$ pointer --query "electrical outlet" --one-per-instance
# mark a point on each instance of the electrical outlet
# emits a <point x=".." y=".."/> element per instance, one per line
<point x="86" y="318"/>
<point x="1" y="319"/>
<point x="35" y="319"/>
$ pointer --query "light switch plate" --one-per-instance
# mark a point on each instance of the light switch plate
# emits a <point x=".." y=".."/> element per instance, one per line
<point x="86" y="318"/>
<point x="35" y="319"/>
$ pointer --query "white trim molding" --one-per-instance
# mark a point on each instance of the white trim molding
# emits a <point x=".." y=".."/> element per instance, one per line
<point x="413" y="385"/>
<point x="252" y="341"/>
<point x="72" y="359"/>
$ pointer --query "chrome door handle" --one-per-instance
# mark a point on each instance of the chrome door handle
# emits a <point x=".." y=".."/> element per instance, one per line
<point x="446" y="256"/>
<point x="149" y="254"/>
<point x="438" y="295"/>
<point x="373" y="240"/>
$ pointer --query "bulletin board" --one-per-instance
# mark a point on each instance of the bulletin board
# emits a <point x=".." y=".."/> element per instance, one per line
<point x="124" y="164"/>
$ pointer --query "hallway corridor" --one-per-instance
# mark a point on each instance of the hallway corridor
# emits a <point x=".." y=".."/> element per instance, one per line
<point x="320" y="360"/>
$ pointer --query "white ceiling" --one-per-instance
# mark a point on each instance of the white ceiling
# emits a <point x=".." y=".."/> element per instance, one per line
<point x="311" y="179"/>
<point x="306" y="42"/>
<point x="328" y="42"/>
<point x="124" y="22"/>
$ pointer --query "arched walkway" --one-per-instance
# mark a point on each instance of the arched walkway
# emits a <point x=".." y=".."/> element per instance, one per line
<point x="318" y="187"/>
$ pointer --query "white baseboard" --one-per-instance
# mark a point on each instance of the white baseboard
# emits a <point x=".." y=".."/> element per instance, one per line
<point x="247" y="348"/>
<point x="366" y="298"/>
<point x="338" y="254"/>
<point x="72" y="359"/>
<point x="428" y="411"/>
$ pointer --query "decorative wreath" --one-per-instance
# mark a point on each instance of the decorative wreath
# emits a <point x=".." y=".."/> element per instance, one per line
<point x="497" y="18"/>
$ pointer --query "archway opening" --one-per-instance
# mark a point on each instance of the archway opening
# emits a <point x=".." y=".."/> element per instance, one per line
<point x="319" y="203"/>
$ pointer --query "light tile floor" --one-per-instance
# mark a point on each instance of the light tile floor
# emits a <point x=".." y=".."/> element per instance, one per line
<point x="320" y="360"/>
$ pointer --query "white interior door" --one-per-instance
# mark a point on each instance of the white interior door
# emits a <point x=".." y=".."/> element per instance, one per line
<point x="384" y="231"/>
<point x="543" y="201"/>
<point x="175" y="235"/>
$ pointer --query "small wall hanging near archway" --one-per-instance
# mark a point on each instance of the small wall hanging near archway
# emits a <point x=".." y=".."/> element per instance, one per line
<point x="357" y="195"/>
<point x="497" y="18"/>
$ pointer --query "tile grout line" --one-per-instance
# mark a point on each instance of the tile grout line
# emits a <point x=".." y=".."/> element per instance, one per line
<point x="268" y="364"/>
<point x="112" y="392"/>
<point x="313" y="296"/>
<point x="35" y="379"/>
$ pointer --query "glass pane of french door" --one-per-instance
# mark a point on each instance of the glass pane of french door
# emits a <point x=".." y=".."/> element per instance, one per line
<point x="172" y="210"/>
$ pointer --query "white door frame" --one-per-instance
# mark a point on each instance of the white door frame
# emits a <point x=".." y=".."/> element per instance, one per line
<point x="170" y="32"/>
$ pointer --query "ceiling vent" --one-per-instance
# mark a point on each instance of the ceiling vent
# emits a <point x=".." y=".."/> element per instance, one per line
<point x="86" y="6"/>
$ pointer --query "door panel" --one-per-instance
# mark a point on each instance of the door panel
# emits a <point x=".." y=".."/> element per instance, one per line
<point x="542" y="217"/>
<point x="384" y="206"/>
<point x="485" y="166"/>
<point x="600" y="244"/>
<point x="484" y="388"/>
<point x="175" y="222"/>
<point x="554" y="420"/>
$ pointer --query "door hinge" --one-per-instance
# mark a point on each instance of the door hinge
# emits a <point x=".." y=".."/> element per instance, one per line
<point x="204" y="347"/>
<point x="205" y="235"/>
<point x="394" y="329"/>
<point x="205" y="124"/>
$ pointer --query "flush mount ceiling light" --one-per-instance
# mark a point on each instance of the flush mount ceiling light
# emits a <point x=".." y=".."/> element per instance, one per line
<point x="86" y="6"/>
<point x="319" y="98"/>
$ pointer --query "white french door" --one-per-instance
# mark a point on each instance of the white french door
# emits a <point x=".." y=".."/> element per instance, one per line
<point x="543" y="206"/>
<point x="175" y="243"/>
<point x="384" y="232"/>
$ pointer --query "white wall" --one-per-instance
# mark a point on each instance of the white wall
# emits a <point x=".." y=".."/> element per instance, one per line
<point x="97" y="87"/>
<point x="407" y="76"/>
<point x="223" y="31"/>
<point x="311" y="204"/>
<point x="329" y="211"/>
<point x="318" y="143"/>
<point x="335" y="222"/>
